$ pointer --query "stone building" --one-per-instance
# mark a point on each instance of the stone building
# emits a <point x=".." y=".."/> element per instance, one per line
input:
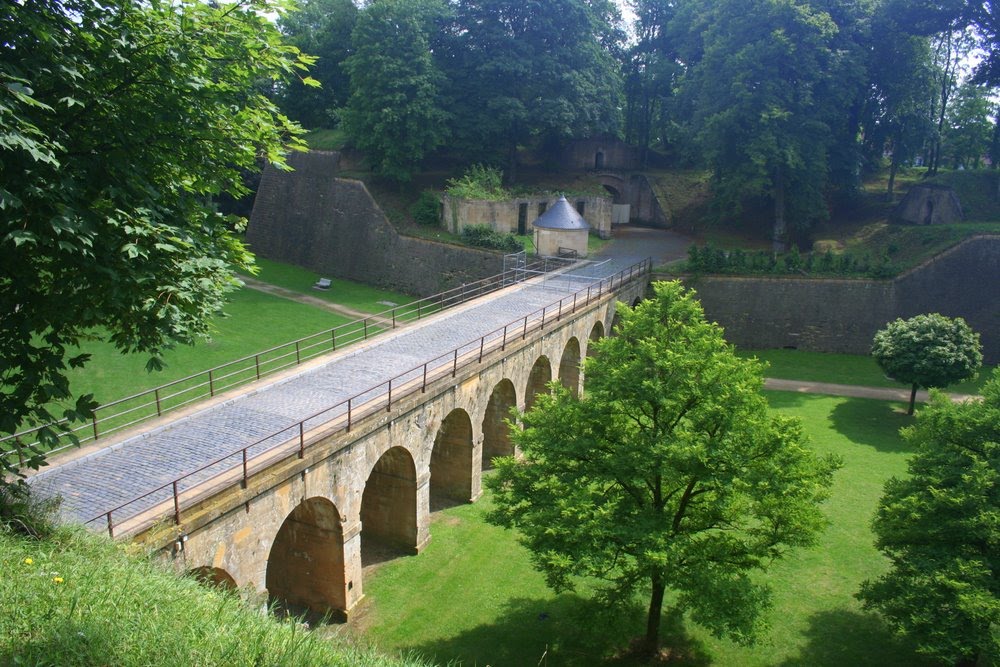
<point x="561" y="231"/>
<point x="518" y="215"/>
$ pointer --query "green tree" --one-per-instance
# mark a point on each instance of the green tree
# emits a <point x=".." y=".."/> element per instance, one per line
<point x="768" y="80"/>
<point x="968" y="129"/>
<point x="321" y="28"/>
<point x="395" y="111"/>
<point x="927" y="351"/>
<point x="120" y="121"/>
<point x="527" y="70"/>
<point x="669" y="474"/>
<point x="940" y="528"/>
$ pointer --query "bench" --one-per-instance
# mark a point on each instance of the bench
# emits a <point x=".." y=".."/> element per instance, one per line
<point x="322" y="283"/>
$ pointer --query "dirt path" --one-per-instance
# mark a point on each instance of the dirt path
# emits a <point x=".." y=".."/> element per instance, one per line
<point x="879" y="393"/>
<point x="274" y="290"/>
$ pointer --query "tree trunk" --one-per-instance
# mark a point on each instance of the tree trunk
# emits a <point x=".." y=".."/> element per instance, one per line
<point x="780" y="229"/>
<point x="913" y="399"/>
<point x="652" y="640"/>
<point x="893" y="167"/>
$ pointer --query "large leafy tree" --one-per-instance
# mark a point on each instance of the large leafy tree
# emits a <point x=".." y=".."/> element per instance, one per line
<point x="768" y="81"/>
<point x="395" y="112"/>
<point x="940" y="528"/>
<point x="669" y="474"/>
<point x="927" y="351"/>
<point x="119" y="122"/>
<point x="321" y="28"/>
<point x="523" y="70"/>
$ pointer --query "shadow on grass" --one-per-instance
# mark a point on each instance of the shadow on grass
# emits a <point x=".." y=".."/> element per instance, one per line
<point x="841" y="637"/>
<point x="69" y="642"/>
<point x="567" y="630"/>
<point x="872" y="423"/>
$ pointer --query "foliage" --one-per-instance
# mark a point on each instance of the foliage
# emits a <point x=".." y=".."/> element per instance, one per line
<point x="710" y="259"/>
<point x="519" y="71"/>
<point x="939" y="528"/>
<point x="395" y="112"/>
<point x="483" y="236"/>
<point x="478" y="182"/>
<point x="668" y="474"/>
<point x="927" y="351"/>
<point x="427" y="209"/>
<point x="321" y="28"/>
<point x="77" y="599"/>
<point x="968" y="128"/>
<point x="22" y="513"/>
<point x="120" y="122"/>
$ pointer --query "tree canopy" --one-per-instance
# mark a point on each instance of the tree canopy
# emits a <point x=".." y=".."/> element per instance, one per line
<point x="927" y="351"/>
<point x="940" y="529"/>
<point x="668" y="474"/>
<point x="120" y="121"/>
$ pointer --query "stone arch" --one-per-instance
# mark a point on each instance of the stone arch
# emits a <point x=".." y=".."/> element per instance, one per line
<point x="496" y="433"/>
<point x="615" y="321"/>
<point x="569" y="366"/>
<point x="540" y="375"/>
<point x="305" y="567"/>
<point x="389" y="507"/>
<point x="451" y="460"/>
<point x="214" y="577"/>
<point x="596" y="334"/>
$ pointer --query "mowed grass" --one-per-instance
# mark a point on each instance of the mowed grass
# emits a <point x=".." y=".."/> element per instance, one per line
<point x="357" y="296"/>
<point x="473" y="596"/>
<point x="255" y="321"/>
<point x="842" y="369"/>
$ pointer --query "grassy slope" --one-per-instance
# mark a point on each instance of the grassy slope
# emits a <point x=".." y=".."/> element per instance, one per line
<point x="473" y="595"/>
<point x="77" y="599"/>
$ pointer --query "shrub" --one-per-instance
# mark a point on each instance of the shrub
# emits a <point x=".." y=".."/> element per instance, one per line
<point x="479" y="182"/>
<point x="427" y="209"/>
<point x="483" y="236"/>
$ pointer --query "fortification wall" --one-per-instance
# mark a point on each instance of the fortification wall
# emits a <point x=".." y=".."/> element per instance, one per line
<point x="504" y="216"/>
<point x="843" y="315"/>
<point x="311" y="218"/>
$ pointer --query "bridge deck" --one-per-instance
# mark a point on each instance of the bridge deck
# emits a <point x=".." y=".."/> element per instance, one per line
<point x="109" y="477"/>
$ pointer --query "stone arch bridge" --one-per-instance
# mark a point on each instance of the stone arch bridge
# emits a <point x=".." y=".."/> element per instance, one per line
<point x="302" y="520"/>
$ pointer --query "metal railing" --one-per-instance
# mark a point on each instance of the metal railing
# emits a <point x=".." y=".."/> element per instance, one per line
<point x="130" y="411"/>
<point x="239" y="465"/>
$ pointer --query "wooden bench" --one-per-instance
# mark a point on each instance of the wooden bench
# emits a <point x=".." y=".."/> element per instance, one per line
<point x="322" y="283"/>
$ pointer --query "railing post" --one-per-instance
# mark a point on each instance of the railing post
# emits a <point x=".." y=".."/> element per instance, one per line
<point x="482" y="342"/>
<point x="524" y="333"/>
<point x="211" y="384"/>
<point x="177" y="505"/>
<point x="302" y="439"/>
<point x="589" y="287"/>
<point x="156" y="393"/>
<point x="349" y="414"/>
<point x="111" y="527"/>
<point x="423" y="387"/>
<point x="559" y="312"/>
<point x="393" y="318"/>
<point x="244" y="482"/>
<point x="256" y="361"/>
<point x="93" y="420"/>
<point x="388" y="403"/>
<point x="454" y="366"/>
<point x="542" y="325"/>
<point x="365" y="322"/>
<point x="333" y="339"/>
<point x="418" y="310"/>
<point x="574" y="301"/>
<point x="298" y="354"/>
<point x="503" y="344"/>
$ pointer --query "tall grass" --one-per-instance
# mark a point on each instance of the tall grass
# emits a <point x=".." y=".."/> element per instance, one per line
<point x="78" y="599"/>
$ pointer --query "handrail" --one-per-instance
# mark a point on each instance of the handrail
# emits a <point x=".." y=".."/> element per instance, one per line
<point x="292" y="440"/>
<point x="176" y="394"/>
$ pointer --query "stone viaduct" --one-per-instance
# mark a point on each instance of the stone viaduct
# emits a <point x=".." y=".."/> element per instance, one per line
<point x="304" y="527"/>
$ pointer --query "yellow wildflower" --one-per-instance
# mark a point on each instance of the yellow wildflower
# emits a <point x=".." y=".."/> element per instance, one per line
<point x="57" y="580"/>
<point x="28" y="561"/>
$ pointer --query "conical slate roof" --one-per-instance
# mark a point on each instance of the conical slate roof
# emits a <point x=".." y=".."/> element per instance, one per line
<point x="561" y="216"/>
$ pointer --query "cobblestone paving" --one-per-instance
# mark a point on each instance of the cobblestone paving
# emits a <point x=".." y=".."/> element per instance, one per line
<point x="94" y="484"/>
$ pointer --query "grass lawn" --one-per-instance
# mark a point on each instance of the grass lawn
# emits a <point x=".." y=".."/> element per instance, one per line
<point x="841" y="369"/>
<point x="473" y="596"/>
<point x="353" y="295"/>
<point x="256" y="322"/>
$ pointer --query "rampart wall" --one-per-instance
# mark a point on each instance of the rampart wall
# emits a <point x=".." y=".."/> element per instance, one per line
<point x="311" y="218"/>
<point x="843" y="315"/>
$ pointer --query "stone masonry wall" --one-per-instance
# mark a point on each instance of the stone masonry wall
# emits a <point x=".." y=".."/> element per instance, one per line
<point x="332" y="226"/>
<point x="843" y="315"/>
<point x="502" y="216"/>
